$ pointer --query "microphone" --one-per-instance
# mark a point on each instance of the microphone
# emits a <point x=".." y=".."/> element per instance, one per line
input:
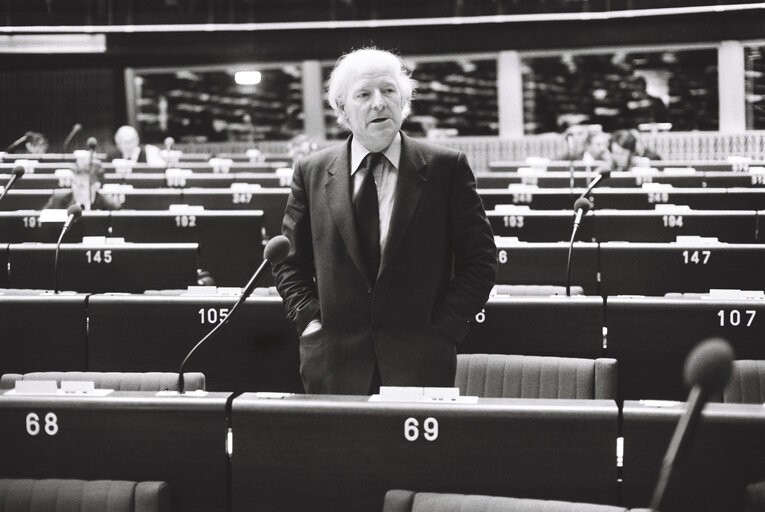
<point x="75" y="130"/>
<point x="276" y="251"/>
<point x="594" y="183"/>
<point x="169" y="143"/>
<point x="18" y="172"/>
<point x="581" y="206"/>
<point x="74" y="213"/>
<point x="707" y="370"/>
<point x="18" y="142"/>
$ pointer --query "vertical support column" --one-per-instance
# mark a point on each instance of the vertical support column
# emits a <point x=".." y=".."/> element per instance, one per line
<point x="313" y="100"/>
<point x="731" y="84"/>
<point x="131" y="97"/>
<point x="509" y="94"/>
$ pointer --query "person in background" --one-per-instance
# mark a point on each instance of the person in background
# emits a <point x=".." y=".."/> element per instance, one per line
<point x="596" y="149"/>
<point x="641" y="107"/>
<point x="36" y="144"/>
<point x="129" y="147"/>
<point x="300" y="146"/>
<point x="626" y="153"/>
<point x="84" y="191"/>
<point x="576" y="141"/>
<point x="391" y="254"/>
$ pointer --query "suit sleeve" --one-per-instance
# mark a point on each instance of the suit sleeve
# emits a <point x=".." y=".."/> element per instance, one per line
<point x="295" y="276"/>
<point x="475" y="255"/>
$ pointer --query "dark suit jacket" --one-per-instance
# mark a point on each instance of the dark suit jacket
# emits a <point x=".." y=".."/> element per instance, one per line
<point x="116" y="153"/>
<point x="63" y="200"/>
<point x="437" y="270"/>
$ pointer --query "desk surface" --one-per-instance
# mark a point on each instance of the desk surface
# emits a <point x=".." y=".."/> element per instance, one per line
<point x="344" y="453"/>
<point x="128" y="436"/>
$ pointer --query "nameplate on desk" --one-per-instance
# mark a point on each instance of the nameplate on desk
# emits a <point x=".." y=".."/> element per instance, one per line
<point x="50" y="387"/>
<point x="422" y="395"/>
<point x="195" y="393"/>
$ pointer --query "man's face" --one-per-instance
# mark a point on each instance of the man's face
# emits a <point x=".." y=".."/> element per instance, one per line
<point x="373" y="107"/>
<point x="599" y="145"/>
<point x="126" y="143"/>
<point x="620" y="155"/>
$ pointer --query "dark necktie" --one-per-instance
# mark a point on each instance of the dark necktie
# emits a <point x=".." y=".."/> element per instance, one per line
<point x="366" y="208"/>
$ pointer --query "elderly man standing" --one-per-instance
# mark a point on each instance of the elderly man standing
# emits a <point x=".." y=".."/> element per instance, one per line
<point x="392" y="254"/>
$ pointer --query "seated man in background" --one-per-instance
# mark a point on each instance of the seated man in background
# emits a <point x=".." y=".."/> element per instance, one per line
<point x="597" y="147"/>
<point x="626" y="152"/>
<point x="129" y="147"/>
<point x="84" y="192"/>
<point x="37" y="143"/>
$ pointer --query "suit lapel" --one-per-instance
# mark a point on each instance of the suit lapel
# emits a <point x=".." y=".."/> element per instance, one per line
<point x="338" y="188"/>
<point x="409" y="187"/>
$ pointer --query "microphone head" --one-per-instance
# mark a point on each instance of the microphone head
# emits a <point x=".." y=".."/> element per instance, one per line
<point x="92" y="143"/>
<point x="583" y="204"/>
<point x="606" y="173"/>
<point x="277" y="249"/>
<point x="169" y="142"/>
<point x="75" y="211"/>
<point x="709" y="365"/>
<point x="77" y="127"/>
<point x="19" y="171"/>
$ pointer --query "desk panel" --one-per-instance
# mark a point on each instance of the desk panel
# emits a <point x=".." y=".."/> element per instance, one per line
<point x="667" y="225"/>
<point x="30" y="199"/>
<point x="535" y="225"/>
<point x="540" y="326"/>
<point x="656" y="269"/>
<point x="634" y="225"/>
<point x="272" y="201"/>
<point x="727" y="453"/>
<point x="145" y="199"/>
<point x="545" y="263"/>
<point x="652" y="336"/>
<point x="25" y="226"/>
<point x="230" y="242"/>
<point x="123" y="436"/>
<point x="625" y="198"/>
<point x="42" y="332"/>
<point x="256" y="351"/>
<point x="3" y="265"/>
<point x="345" y="452"/>
<point x="104" y="267"/>
<point x="680" y="179"/>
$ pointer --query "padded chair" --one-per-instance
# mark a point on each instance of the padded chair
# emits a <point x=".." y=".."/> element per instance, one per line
<point x="755" y="497"/>
<point x="409" y="501"/>
<point x="23" y="495"/>
<point x="746" y="384"/>
<point x="514" y="376"/>
<point x="118" y="381"/>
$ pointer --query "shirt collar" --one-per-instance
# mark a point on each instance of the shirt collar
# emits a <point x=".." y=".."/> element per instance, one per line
<point x="392" y="153"/>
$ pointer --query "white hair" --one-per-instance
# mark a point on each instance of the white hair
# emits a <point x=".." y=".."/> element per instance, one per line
<point x="349" y="64"/>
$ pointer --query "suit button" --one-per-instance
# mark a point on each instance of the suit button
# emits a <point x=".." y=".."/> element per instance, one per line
<point x="369" y="293"/>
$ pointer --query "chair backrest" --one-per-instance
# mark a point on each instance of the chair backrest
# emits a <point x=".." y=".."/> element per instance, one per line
<point x="755" y="497"/>
<point x="747" y="383"/>
<point x="118" y="381"/>
<point x="409" y="501"/>
<point x="51" y="495"/>
<point x="514" y="376"/>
